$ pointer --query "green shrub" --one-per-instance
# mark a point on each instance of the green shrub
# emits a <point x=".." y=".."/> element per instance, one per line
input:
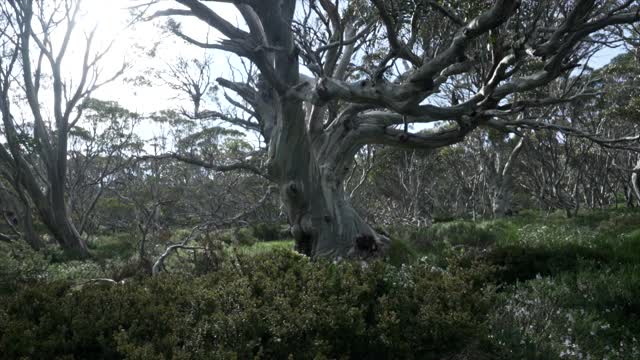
<point x="178" y="235"/>
<point x="401" y="252"/>
<point x="619" y="223"/>
<point x="268" y="231"/>
<point x="517" y="263"/>
<point x="267" y="247"/>
<point x="237" y="236"/>
<point x="454" y="233"/>
<point x="272" y="305"/>
<point x="626" y="247"/>
<point x="523" y="288"/>
<point x="504" y="231"/>
<point x="121" y="245"/>
<point x="590" y="314"/>
<point x="244" y="237"/>
<point x="225" y="236"/>
<point x="20" y="264"/>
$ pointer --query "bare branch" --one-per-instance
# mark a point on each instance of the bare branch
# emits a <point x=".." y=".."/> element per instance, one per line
<point x="199" y="162"/>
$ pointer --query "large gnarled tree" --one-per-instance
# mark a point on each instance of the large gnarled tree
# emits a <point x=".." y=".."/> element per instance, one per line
<point x="334" y="76"/>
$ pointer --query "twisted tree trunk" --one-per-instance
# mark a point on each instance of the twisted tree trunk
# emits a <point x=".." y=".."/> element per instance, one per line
<point x="310" y="175"/>
<point x="56" y="218"/>
<point x="323" y="221"/>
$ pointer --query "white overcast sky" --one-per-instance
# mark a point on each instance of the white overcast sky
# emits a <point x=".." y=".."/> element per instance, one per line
<point x="112" y="16"/>
<point x="129" y="45"/>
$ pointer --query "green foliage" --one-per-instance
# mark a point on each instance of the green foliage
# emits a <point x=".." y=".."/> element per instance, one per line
<point x="272" y="305"/>
<point x="121" y="245"/>
<point x="237" y="236"/>
<point x="401" y="252"/>
<point x="269" y="231"/>
<point x="267" y="247"/>
<point x="458" y="233"/>
<point x="244" y="237"/>
<point x="531" y="287"/>
<point x="20" y="264"/>
<point x="550" y="246"/>
<point x="208" y="138"/>
<point x="591" y="314"/>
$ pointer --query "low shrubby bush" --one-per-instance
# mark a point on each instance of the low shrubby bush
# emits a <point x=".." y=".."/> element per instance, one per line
<point x="274" y="305"/>
<point x="401" y="252"/>
<point x="19" y="264"/>
<point x="270" y="231"/>
<point x="121" y="245"/>
<point x="517" y="263"/>
<point x="237" y="236"/>
<point x="468" y="234"/>
<point x="591" y="314"/>
<point x="244" y="237"/>
<point x="542" y="248"/>
<point x="266" y="247"/>
<point x="534" y="287"/>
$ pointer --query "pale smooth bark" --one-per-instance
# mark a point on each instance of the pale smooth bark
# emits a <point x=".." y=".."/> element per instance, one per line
<point x="635" y="181"/>
<point x="503" y="194"/>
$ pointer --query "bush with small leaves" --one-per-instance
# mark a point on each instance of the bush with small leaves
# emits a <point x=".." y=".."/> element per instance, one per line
<point x="244" y="237"/>
<point x="271" y="305"/>
<point x="20" y="264"/>
<point x="590" y="314"/>
<point x="268" y="231"/>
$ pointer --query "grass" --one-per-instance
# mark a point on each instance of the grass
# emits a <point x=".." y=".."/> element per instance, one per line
<point x="122" y="246"/>
<point x="265" y="247"/>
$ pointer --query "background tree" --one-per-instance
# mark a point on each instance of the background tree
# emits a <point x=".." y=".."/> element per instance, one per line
<point x="99" y="148"/>
<point x="35" y="37"/>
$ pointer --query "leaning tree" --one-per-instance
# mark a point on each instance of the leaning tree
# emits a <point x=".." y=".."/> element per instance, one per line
<point x="334" y="76"/>
<point x="40" y="104"/>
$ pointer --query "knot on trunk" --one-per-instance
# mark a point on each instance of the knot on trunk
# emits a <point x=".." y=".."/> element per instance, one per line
<point x="294" y="190"/>
<point x="294" y="196"/>
<point x="303" y="240"/>
<point x="322" y="94"/>
<point x="302" y="231"/>
<point x="367" y="246"/>
<point x="366" y="242"/>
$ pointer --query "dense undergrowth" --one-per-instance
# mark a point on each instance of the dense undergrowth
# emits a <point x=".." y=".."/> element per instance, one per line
<point x="529" y="287"/>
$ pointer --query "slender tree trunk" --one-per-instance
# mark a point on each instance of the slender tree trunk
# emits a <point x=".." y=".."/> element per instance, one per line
<point x="628" y="196"/>
<point x="67" y="234"/>
<point x="635" y="181"/>
<point x="59" y="222"/>
<point x="25" y="221"/>
<point x="502" y="199"/>
<point x="29" y="233"/>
